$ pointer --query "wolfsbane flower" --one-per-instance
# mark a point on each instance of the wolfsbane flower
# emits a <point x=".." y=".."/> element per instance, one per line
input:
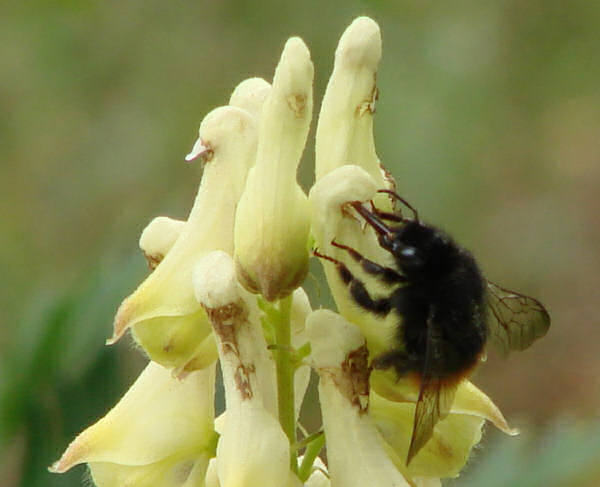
<point x="342" y="177"/>
<point x="165" y="318"/>
<point x="272" y="219"/>
<point x="347" y="167"/>
<point x="355" y="449"/>
<point x="252" y="449"/>
<point x="160" y="433"/>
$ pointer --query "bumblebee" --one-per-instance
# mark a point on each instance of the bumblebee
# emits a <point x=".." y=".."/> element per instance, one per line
<point x="447" y="310"/>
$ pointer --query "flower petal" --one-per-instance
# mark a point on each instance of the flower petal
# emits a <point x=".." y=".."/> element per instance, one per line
<point x="393" y="405"/>
<point x="332" y="220"/>
<point x="167" y="292"/>
<point x="235" y="319"/>
<point x="250" y="95"/>
<point x="158" y="238"/>
<point x="356" y="452"/>
<point x="253" y="449"/>
<point x="177" y="471"/>
<point x="468" y="399"/>
<point x="158" y="417"/>
<point x="444" y="455"/>
<point x="272" y="220"/>
<point x="345" y="129"/>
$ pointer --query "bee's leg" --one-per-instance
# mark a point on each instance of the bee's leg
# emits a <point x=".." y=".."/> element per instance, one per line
<point x="385" y="274"/>
<point x="380" y="307"/>
<point x="395" y="195"/>
<point x="386" y="215"/>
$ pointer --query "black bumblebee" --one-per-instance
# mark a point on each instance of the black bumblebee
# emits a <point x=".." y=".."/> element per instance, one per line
<point x="448" y="309"/>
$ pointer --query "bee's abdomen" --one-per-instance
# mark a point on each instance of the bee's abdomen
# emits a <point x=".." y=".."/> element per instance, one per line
<point x="458" y="335"/>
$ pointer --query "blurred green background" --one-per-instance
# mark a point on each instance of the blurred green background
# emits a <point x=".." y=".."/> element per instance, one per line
<point x="488" y="116"/>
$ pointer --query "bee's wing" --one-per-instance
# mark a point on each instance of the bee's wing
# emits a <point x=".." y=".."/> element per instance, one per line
<point x="435" y="398"/>
<point x="515" y="321"/>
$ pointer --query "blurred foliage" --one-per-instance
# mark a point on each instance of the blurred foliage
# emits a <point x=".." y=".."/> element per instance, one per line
<point x="489" y="116"/>
<point x="564" y="455"/>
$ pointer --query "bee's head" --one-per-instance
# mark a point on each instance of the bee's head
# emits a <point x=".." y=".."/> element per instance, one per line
<point x="420" y="251"/>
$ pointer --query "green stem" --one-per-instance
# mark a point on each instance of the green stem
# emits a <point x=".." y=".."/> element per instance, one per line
<point x="285" y="377"/>
<point x="313" y="448"/>
<point x="303" y="443"/>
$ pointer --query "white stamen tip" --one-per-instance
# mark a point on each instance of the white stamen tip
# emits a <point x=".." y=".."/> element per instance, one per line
<point x="198" y="149"/>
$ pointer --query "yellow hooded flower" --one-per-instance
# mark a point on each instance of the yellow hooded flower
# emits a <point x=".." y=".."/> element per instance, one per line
<point x="347" y="169"/>
<point x="368" y="434"/>
<point x="272" y="221"/>
<point x="253" y="449"/>
<point x="445" y="454"/>
<point x="356" y="452"/>
<point x="163" y="313"/>
<point x="345" y="129"/>
<point x="158" y="238"/>
<point x="160" y="434"/>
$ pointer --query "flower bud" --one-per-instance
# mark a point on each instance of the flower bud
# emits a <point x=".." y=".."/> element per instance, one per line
<point x="272" y="219"/>
<point x="250" y="95"/>
<point x="158" y="237"/>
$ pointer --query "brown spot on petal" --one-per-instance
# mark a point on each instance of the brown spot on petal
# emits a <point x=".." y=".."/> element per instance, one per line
<point x="357" y="368"/>
<point x="226" y="321"/>
<point x="353" y="382"/>
<point x="242" y="380"/>
<point x="368" y="106"/>
<point x="297" y="103"/>
<point x="154" y="259"/>
<point x="445" y="450"/>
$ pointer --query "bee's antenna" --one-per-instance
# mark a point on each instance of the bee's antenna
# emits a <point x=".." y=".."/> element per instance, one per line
<point x="402" y="200"/>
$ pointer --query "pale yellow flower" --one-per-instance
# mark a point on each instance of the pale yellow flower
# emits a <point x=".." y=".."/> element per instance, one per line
<point x="347" y="169"/>
<point x="356" y="452"/>
<point x="159" y="434"/>
<point x="158" y="238"/>
<point x="272" y="221"/>
<point x="446" y="453"/>
<point x="163" y="313"/>
<point x="345" y="128"/>
<point x="253" y="450"/>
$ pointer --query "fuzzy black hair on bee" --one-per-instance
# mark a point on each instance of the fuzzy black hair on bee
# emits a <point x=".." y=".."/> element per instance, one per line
<point x="447" y="311"/>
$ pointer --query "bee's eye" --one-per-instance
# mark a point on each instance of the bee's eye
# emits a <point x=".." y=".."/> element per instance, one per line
<point x="408" y="253"/>
<point x="410" y="258"/>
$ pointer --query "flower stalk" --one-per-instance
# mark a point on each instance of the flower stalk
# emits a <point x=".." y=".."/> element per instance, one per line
<point x="314" y="444"/>
<point x="285" y="376"/>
